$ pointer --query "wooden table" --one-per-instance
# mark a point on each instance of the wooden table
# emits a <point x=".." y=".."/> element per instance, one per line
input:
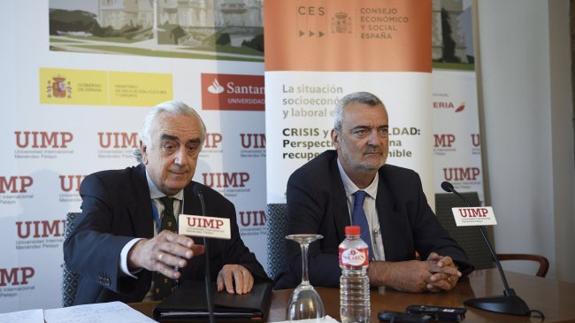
<point x="554" y="298"/>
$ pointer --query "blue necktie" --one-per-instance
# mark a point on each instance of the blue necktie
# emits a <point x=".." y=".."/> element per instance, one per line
<point x="358" y="218"/>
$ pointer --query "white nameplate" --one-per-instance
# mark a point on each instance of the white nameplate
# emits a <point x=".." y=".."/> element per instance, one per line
<point x="470" y="216"/>
<point x="204" y="226"/>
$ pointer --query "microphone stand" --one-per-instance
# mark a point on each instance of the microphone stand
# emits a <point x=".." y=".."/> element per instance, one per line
<point x="208" y="282"/>
<point x="509" y="302"/>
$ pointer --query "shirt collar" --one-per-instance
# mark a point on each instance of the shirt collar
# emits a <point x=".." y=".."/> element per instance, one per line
<point x="155" y="192"/>
<point x="350" y="186"/>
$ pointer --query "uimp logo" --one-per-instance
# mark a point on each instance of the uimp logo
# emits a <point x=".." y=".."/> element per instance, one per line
<point x="43" y="139"/>
<point x="461" y="173"/>
<point x="473" y="212"/>
<point x="118" y="140"/>
<point x="205" y="222"/>
<point x="16" y="276"/>
<point x="253" y="140"/>
<point x="232" y="92"/>
<point x="473" y="216"/>
<point x="71" y="183"/>
<point x="15" y="184"/>
<point x="255" y="218"/>
<point x="475" y="141"/>
<point x="40" y="229"/>
<point x="253" y="145"/>
<point x="226" y="179"/>
<point x="447" y="105"/>
<point x="117" y="144"/>
<point x="213" y="140"/>
<point x="444" y="140"/>
<point x="39" y="234"/>
<point x="204" y="226"/>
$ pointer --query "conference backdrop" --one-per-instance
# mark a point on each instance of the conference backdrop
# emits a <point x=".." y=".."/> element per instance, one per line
<point x="83" y="76"/>
<point x="317" y="52"/>
<point x="79" y="77"/>
<point x="325" y="50"/>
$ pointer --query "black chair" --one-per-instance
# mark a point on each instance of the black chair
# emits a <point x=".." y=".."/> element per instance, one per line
<point x="470" y="239"/>
<point x="277" y="228"/>
<point x="69" y="278"/>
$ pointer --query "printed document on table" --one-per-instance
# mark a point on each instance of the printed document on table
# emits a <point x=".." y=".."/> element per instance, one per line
<point x="96" y="313"/>
<point x="28" y="316"/>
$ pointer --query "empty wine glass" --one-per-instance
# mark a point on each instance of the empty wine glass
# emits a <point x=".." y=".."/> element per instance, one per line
<point x="305" y="302"/>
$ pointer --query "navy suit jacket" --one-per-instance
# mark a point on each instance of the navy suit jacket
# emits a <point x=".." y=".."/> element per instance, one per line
<point x="317" y="203"/>
<point x="116" y="207"/>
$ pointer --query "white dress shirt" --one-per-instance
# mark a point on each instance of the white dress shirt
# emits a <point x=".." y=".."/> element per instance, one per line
<point x="157" y="210"/>
<point x="369" y="208"/>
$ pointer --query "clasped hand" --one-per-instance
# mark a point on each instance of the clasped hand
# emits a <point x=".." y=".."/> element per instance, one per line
<point x="436" y="273"/>
<point x="168" y="251"/>
<point x="444" y="273"/>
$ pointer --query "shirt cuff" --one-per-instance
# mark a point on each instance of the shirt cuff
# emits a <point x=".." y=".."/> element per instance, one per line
<point x="124" y="258"/>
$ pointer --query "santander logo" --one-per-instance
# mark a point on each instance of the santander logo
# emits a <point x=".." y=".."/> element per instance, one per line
<point x="215" y="88"/>
<point x="235" y="92"/>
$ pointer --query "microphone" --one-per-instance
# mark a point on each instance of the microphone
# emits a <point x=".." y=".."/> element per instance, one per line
<point x="509" y="302"/>
<point x="448" y="187"/>
<point x="208" y="281"/>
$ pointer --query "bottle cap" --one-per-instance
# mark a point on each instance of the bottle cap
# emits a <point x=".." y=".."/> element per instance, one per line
<point x="352" y="230"/>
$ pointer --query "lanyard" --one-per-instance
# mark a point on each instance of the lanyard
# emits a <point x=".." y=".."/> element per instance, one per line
<point x="156" y="216"/>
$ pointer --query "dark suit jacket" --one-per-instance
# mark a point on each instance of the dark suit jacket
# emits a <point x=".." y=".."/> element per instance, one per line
<point x="116" y="207"/>
<point x="317" y="203"/>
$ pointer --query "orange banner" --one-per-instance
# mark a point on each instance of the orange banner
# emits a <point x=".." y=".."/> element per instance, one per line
<point x="345" y="35"/>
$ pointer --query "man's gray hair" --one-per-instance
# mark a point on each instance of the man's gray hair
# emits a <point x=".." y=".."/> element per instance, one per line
<point x="359" y="97"/>
<point x="171" y="107"/>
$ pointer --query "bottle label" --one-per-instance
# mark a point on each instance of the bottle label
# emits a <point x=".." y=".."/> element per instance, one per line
<point x="353" y="258"/>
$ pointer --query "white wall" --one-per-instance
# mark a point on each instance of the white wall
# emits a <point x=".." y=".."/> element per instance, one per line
<point x="528" y="128"/>
<point x="562" y="120"/>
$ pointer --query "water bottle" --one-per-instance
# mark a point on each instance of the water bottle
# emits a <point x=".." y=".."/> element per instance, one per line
<point x="354" y="303"/>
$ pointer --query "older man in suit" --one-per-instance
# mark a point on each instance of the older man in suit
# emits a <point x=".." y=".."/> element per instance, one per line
<point x="354" y="185"/>
<point x="125" y="246"/>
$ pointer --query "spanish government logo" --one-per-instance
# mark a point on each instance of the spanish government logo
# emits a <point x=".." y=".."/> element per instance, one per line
<point x="59" y="87"/>
<point x="341" y="23"/>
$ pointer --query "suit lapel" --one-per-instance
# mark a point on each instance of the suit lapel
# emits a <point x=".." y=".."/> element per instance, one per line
<point x="339" y="202"/>
<point x="140" y="207"/>
<point x="386" y="213"/>
<point x="191" y="202"/>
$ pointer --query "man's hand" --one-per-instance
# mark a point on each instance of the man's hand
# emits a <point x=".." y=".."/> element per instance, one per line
<point x="235" y="277"/>
<point x="164" y="253"/>
<point x="407" y="276"/>
<point x="445" y="275"/>
<point x="435" y="274"/>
